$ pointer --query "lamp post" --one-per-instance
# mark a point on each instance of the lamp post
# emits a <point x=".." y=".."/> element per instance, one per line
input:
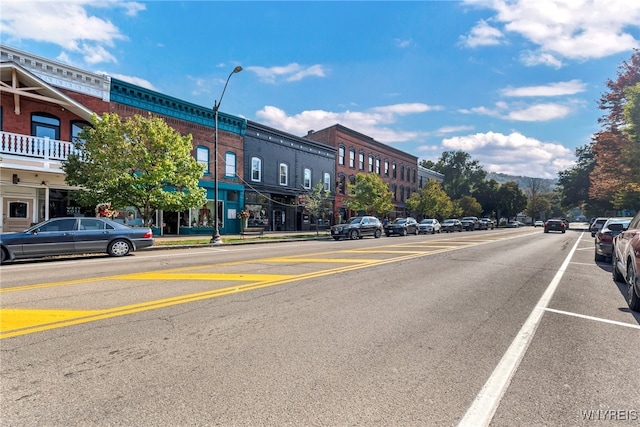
<point x="215" y="239"/>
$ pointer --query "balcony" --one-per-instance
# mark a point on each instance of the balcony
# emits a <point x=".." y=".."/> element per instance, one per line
<point x="39" y="152"/>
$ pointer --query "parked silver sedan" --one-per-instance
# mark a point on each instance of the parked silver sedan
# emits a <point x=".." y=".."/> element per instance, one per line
<point x="429" y="226"/>
<point x="67" y="236"/>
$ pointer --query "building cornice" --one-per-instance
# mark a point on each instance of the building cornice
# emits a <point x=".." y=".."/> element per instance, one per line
<point x="266" y="133"/>
<point x="58" y="74"/>
<point x="135" y="96"/>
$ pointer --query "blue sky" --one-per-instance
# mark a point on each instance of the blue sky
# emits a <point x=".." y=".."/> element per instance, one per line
<point x="513" y="83"/>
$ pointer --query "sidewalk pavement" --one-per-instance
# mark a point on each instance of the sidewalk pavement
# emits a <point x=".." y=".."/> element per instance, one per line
<point x="199" y="240"/>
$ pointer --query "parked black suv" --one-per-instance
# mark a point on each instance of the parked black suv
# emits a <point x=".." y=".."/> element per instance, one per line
<point x="358" y="227"/>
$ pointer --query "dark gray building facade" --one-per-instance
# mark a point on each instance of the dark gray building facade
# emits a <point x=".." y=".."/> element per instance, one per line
<point x="279" y="170"/>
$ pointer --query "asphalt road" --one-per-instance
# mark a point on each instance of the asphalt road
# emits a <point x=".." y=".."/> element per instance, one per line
<point x="509" y="327"/>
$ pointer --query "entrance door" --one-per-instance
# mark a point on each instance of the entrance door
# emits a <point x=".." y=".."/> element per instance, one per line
<point x="17" y="214"/>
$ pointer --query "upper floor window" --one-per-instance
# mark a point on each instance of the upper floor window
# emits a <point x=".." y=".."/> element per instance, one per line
<point x="202" y="157"/>
<point x="45" y="125"/>
<point x="394" y="170"/>
<point x="386" y="168"/>
<point x="230" y="164"/>
<point x="306" y="178"/>
<point x="77" y="126"/>
<point x="342" y="184"/>
<point x="361" y="161"/>
<point x="402" y="172"/>
<point x="284" y="174"/>
<point x="341" y="155"/>
<point x="378" y="166"/>
<point x="256" y="169"/>
<point x="326" y="180"/>
<point x="371" y="163"/>
<point x="352" y="158"/>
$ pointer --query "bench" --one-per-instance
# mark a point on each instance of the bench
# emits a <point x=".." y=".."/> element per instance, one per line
<point x="252" y="231"/>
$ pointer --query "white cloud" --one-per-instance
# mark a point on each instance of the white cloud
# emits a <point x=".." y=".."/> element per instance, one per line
<point x="374" y="122"/>
<point x="89" y="36"/>
<point x="404" y="43"/>
<point x="513" y="154"/>
<point x="133" y="80"/>
<point x="552" y="89"/>
<point x="574" y="29"/>
<point x="482" y="35"/>
<point x="290" y="72"/>
<point x="532" y="113"/>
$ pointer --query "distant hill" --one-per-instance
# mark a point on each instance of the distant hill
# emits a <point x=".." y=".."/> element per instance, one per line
<point x="522" y="181"/>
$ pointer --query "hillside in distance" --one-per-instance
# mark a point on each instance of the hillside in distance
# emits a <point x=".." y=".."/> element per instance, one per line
<point x="522" y="181"/>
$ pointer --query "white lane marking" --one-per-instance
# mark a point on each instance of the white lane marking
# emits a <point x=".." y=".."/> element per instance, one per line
<point x="486" y="402"/>
<point x="597" y="319"/>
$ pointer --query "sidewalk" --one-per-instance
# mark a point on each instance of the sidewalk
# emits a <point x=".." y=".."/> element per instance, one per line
<point x="199" y="240"/>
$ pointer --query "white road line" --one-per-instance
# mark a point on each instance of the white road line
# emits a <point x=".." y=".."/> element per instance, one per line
<point x="597" y="319"/>
<point x="486" y="402"/>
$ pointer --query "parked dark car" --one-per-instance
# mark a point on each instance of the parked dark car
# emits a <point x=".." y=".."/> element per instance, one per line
<point x="429" y="225"/>
<point x="554" y="225"/>
<point x="401" y="227"/>
<point x="596" y="225"/>
<point x="357" y="228"/>
<point x="67" y="236"/>
<point x="626" y="262"/>
<point x="604" y="237"/>
<point x="470" y="223"/>
<point x="451" y="225"/>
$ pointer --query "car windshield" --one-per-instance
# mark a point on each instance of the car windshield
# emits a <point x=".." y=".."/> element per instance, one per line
<point x="426" y="221"/>
<point x="356" y="220"/>
<point x="399" y="221"/>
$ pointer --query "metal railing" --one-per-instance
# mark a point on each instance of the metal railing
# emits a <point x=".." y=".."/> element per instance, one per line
<point x="35" y="147"/>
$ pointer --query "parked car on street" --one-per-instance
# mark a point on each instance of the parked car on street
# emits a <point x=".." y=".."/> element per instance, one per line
<point x="451" y="225"/>
<point x="429" y="226"/>
<point x="513" y="224"/>
<point x="470" y="223"/>
<point x="402" y="227"/>
<point x="554" y="225"/>
<point x="604" y="237"/>
<point x="626" y="262"/>
<point x="487" y="223"/>
<point x="357" y="228"/>
<point x="538" y="223"/>
<point x="596" y="225"/>
<point x="76" y="235"/>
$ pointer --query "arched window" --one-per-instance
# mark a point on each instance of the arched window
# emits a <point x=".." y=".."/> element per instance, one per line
<point x="306" y="178"/>
<point x="256" y="169"/>
<point x="45" y="125"/>
<point x="202" y="157"/>
<point x="230" y="165"/>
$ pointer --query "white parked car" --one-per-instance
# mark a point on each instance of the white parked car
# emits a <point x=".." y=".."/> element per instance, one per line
<point x="430" y="226"/>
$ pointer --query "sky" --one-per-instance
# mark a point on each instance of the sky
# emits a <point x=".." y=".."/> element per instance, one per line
<point x="515" y="84"/>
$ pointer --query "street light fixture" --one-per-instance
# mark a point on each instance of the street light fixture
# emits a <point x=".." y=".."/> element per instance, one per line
<point x="215" y="239"/>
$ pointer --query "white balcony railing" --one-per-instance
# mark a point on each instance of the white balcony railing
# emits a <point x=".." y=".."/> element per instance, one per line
<point x="35" y="147"/>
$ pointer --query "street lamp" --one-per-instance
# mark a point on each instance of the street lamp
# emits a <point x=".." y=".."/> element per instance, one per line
<point x="215" y="239"/>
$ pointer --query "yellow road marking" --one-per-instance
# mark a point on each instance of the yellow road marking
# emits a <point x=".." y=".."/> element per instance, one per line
<point x="11" y="318"/>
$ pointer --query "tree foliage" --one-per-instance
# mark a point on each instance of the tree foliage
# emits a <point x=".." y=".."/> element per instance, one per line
<point x="139" y="162"/>
<point x="511" y="200"/>
<point x="315" y="202"/>
<point x="461" y="174"/>
<point x="431" y="201"/>
<point x="469" y="206"/>
<point x="369" y="194"/>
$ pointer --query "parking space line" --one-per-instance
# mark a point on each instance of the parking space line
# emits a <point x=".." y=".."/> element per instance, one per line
<point x="597" y="319"/>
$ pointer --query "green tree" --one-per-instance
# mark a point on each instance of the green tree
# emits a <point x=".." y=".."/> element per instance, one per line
<point x="461" y="174"/>
<point x="316" y="202"/>
<point x="469" y="206"/>
<point x="629" y="194"/>
<point x="139" y="162"/>
<point x="369" y="194"/>
<point x="486" y="193"/>
<point x="573" y="184"/>
<point x="511" y="200"/>
<point x="430" y="201"/>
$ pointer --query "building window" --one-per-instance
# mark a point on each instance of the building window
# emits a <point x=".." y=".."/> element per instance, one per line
<point x="342" y="184"/>
<point x="341" y="155"/>
<point x="77" y="126"/>
<point x="386" y="168"/>
<point x="402" y="172"/>
<point x="45" y="125"/>
<point x="306" y="180"/>
<point x="394" y="170"/>
<point x="18" y="210"/>
<point x="284" y="174"/>
<point x="378" y="166"/>
<point x="326" y="180"/>
<point x="352" y="158"/>
<point x="230" y="165"/>
<point x="371" y="163"/>
<point x="256" y="169"/>
<point x="361" y="161"/>
<point x="202" y="157"/>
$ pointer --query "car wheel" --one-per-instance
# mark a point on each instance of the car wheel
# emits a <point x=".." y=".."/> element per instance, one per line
<point x="336" y="237"/>
<point x="632" y="297"/>
<point x="3" y="256"/>
<point x="617" y="277"/>
<point x="599" y="257"/>
<point x="377" y="234"/>
<point x="119" y="247"/>
<point x="353" y="234"/>
<point x="416" y="232"/>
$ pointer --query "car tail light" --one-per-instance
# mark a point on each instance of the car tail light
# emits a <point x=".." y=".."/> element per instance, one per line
<point x="148" y="235"/>
<point x="606" y="237"/>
